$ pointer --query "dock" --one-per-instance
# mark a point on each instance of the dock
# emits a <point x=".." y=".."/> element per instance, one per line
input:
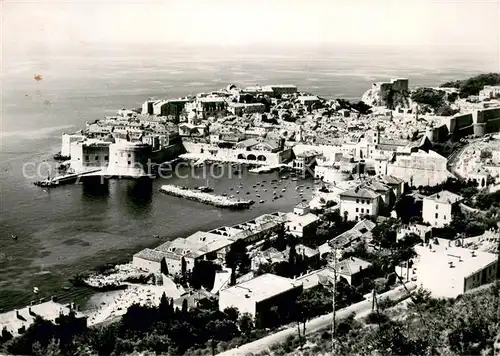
<point x="206" y="198"/>
<point x="65" y="179"/>
<point x="264" y="169"/>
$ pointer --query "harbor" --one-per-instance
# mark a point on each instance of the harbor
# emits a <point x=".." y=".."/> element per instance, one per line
<point x="131" y="214"/>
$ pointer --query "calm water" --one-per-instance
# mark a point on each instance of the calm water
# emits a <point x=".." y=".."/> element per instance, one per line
<point x="70" y="229"/>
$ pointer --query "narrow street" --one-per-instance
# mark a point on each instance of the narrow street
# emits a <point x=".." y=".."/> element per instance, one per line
<point x="361" y="309"/>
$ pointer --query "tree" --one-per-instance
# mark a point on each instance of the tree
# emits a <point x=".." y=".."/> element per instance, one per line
<point x="5" y="336"/>
<point x="52" y="349"/>
<point x="232" y="313"/>
<point x="384" y="234"/>
<point x="473" y="85"/>
<point x="164" y="267"/>
<point x="406" y="208"/>
<point x="245" y="323"/>
<point x="165" y="308"/>
<point x="428" y="96"/>
<point x="237" y="257"/>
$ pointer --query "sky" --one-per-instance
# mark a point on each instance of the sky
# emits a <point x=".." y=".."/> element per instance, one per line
<point x="466" y="24"/>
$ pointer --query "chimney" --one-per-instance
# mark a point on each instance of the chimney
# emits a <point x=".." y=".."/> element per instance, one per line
<point x="32" y="302"/>
<point x="17" y="314"/>
<point x="53" y="298"/>
<point x="360" y="268"/>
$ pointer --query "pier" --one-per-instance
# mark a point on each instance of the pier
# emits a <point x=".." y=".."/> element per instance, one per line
<point x="206" y="198"/>
<point x="65" y="179"/>
<point x="265" y="169"/>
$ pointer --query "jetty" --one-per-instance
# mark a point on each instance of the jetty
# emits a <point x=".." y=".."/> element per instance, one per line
<point x="264" y="169"/>
<point x="64" y="179"/>
<point x="206" y="198"/>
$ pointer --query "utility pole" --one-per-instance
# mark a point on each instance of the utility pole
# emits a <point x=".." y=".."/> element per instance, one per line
<point x="334" y="291"/>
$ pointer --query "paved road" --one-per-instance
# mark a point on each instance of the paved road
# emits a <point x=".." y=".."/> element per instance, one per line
<point x="361" y="309"/>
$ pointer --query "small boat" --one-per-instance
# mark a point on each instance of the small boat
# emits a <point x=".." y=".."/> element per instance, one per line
<point x="264" y="181"/>
<point x="265" y="190"/>
<point x="304" y="199"/>
<point x="257" y="195"/>
<point x="248" y="193"/>
<point x="274" y="193"/>
<point x="205" y="189"/>
<point x="295" y="179"/>
<point x="281" y="195"/>
<point x="237" y="192"/>
<point x="308" y="187"/>
<point x="66" y="288"/>
<point x="224" y="194"/>
<point x="59" y="157"/>
<point x="261" y="201"/>
<point x="232" y="196"/>
<point x="36" y="290"/>
<point x="14" y="237"/>
<point x="283" y="190"/>
<point x="230" y="188"/>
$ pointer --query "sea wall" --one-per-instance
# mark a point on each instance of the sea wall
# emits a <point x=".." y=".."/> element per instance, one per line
<point x="206" y="198"/>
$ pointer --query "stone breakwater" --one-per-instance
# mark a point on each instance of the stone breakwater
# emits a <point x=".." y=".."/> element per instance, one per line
<point x="206" y="198"/>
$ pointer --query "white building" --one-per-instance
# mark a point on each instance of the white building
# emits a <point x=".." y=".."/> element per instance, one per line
<point x="422" y="231"/>
<point x="148" y="260"/>
<point x="419" y="168"/>
<point x="18" y="321"/>
<point x="258" y="295"/>
<point x="67" y="140"/>
<point x="436" y="209"/>
<point x="301" y="222"/>
<point x="352" y="269"/>
<point x="489" y="92"/>
<point x="358" y="202"/>
<point x="447" y="270"/>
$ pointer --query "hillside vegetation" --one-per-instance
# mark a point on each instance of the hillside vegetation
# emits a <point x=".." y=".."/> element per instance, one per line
<point x="469" y="325"/>
<point x="473" y="85"/>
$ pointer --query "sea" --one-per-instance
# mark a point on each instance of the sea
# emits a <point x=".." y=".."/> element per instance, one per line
<point x="72" y="229"/>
